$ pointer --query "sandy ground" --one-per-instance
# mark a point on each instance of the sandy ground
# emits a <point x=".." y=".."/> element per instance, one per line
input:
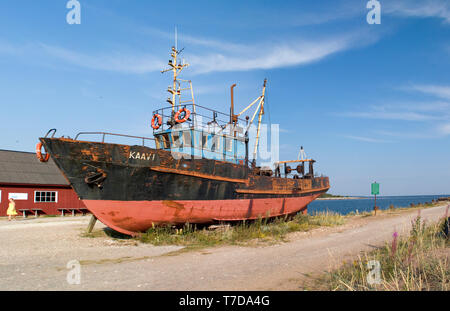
<point x="34" y="254"/>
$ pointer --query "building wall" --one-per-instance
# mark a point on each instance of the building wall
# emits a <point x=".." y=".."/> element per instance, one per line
<point x="67" y="198"/>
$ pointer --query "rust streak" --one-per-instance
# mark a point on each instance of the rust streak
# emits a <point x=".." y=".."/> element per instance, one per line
<point x="255" y="191"/>
<point x="123" y="220"/>
<point x="173" y="204"/>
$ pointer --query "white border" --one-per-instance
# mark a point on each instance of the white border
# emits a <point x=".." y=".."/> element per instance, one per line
<point x="20" y="195"/>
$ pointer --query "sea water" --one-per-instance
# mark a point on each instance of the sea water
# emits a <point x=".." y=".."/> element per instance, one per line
<point x="366" y="204"/>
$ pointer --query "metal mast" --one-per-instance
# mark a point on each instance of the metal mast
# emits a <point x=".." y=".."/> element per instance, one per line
<point x="259" y="108"/>
<point x="175" y="89"/>
<point x="261" y="112"/>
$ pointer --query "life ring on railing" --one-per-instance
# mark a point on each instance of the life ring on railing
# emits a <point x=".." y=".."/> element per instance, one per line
<point x="187" y="113"/>
<point x="40" y="156"/>
<point x="156" y="126"/>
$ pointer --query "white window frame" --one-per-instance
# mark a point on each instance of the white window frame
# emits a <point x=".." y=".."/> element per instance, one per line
<point x="56" y="196"/>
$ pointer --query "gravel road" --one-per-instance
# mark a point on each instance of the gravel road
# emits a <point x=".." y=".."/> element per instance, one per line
<point x="34" y="254"/>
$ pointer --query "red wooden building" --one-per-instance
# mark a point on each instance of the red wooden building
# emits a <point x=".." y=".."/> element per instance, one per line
<point x="35" y="186"/>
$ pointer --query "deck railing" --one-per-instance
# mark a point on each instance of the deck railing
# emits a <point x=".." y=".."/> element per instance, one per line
<point x="201" y="117"/>
<point x="104" y="135"/>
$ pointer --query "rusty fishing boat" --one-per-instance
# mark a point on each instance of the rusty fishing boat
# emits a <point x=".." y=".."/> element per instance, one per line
<point x="198" y="171"/>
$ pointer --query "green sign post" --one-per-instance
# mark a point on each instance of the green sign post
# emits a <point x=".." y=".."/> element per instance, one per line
<point x="375" y="191"/>
<point x="375" y="188"/>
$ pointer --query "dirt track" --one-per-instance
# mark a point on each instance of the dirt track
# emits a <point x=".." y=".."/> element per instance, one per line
<point x="34" y="254"/>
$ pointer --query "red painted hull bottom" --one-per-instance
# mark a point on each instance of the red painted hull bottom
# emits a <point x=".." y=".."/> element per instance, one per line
<point x="132" y="217"/>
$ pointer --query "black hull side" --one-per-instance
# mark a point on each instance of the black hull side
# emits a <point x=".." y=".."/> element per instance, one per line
<point x="137" y="173"/>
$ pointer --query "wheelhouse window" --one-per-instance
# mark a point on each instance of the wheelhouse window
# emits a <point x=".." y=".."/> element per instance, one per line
<point x="165" y="140"/>
<point x="45" y="196"/>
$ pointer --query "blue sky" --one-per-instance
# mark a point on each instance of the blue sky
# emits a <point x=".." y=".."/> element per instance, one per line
<point x="368" y="102"/>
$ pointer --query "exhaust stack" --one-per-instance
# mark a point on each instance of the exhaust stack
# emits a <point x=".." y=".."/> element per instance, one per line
<point x="233" y="118"/>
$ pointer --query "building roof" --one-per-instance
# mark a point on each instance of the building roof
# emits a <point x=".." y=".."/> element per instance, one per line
<point x="18" y="167"/>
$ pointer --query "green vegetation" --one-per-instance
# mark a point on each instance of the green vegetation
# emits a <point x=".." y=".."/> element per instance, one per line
<point x="244" y="233"/>
<point x="94" y="234"/>
<point x="417" y="262"/>
<point x="394" y="209"/>
<point x="329" y="195"/>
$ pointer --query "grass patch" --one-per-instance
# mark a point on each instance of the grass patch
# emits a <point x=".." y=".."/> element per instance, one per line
<point x="106" y="232"/>
<point x="416" y="262"/>
<point x="113" y="260"/>
<point x="329" y="195"/>
<point x="243" y="233"/>
<point x="93" y="234"/>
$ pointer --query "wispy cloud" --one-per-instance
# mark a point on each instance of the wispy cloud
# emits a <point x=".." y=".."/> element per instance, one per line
<point x="444" y="129"/>
<point x="113" y="61"/>
<point x="393" y="115"/>
<point x="344" y="10"/>
<point x="442" y="91"/>
<point x="270" y="55"/>
<point x="268" y="58"/>
<point x="407" y="135"/>
<point x="187" y="39"/>
<point x="431" y="110"/>
<point x="6" y="48"/>
<point x="116" y="61"/>
<point x="224" y="55"/>
<point x="221" y="56"/>
<point x="367" y="139"/>
<point x="422" y="9"/>
<point x="434" y="114"/>
<point x="339" y="10"/>
<point x="424" y="106"/>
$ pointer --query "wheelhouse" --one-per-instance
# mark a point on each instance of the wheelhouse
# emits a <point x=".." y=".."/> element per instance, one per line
<point x="203" y="133"/>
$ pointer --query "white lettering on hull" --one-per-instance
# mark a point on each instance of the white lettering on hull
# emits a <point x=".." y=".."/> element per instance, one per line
<point x="138" y="156"/>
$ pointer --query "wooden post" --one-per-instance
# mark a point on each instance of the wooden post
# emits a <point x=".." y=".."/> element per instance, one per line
<point x="375" y="207"/>
<point x="91" y="224"/>
<point x="375" y="190"/>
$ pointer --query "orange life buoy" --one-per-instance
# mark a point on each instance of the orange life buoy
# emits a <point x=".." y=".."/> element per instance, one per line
<point x="187" y="113"/>
<point x="40" y="156"/>
<point x="156" y="126"/>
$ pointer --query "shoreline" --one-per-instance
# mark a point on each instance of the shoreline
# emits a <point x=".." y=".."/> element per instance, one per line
<point x="441" y="198"/>
<point x="343" y="198"/>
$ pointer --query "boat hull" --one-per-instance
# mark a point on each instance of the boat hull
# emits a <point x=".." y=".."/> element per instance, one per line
<point x="130" y="217"/>
<point x="132" y="188"/>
